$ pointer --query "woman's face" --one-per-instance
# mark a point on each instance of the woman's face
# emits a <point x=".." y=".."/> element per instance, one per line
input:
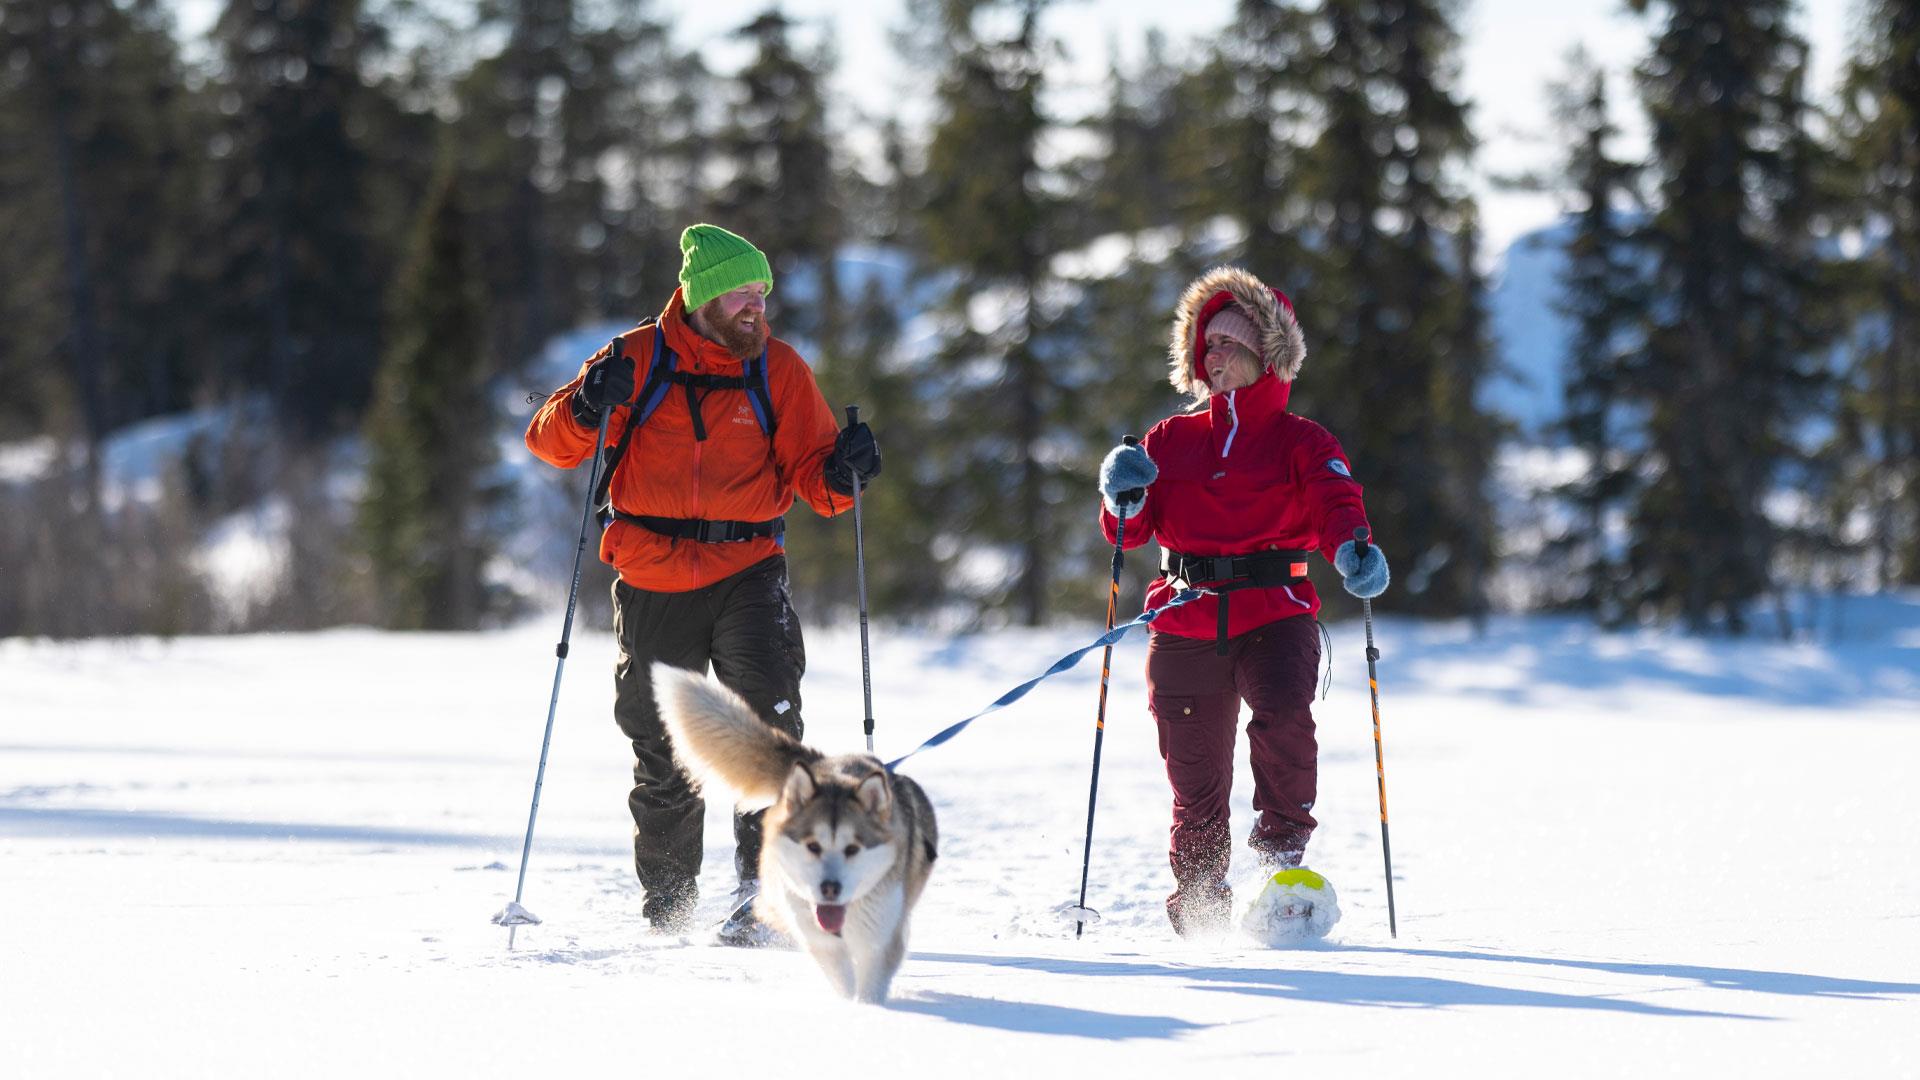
<point x="1230" y="365"/>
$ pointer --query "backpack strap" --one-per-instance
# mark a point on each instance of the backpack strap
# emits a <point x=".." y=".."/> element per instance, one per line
<point x="662" y="374"/>
<point x="659" y="374"/>
<point x="760" y="393"/>
<point x="752" y="380"/>
<point x="648" y="400"/>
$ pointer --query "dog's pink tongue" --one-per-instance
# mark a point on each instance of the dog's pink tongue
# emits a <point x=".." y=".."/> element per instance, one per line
<point x="831" y="917"/>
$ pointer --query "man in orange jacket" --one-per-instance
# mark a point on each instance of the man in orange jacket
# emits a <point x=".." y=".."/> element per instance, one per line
<point x="736" y="432"/>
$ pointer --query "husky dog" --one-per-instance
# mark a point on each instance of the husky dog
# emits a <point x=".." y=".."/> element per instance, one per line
<point x="848" y="846"/>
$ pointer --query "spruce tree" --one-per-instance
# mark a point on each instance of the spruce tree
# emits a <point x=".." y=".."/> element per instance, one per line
<point x="561" y="159"/>
<point x="1387" y="294"/>
<point x="673" y="155"/>
<point x="783" y="192"/>
<point x="423" y="516"/>
<point x="1880" y="412"/>
<point x="298" y="279"/>
<point x="1253" y="86"/>
<point x="905" y="578"/>
<point x="1465" y="437"/>
<point x="1144" y="201"/>
<point x="1808" y="200"/>
<point x="1726" y="365"/>
<point x="991" y="217"/>
<point x="1602" y="295"/>
<point x="1137" y="180"/>
<point x="98" y="201"/>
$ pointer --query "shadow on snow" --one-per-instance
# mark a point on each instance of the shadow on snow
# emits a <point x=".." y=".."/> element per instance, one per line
<point x="1759" y="982"/>
<point x="20" y="822"/>
<point x="1036" y="1019"/>
<point x="1396" y="991"/>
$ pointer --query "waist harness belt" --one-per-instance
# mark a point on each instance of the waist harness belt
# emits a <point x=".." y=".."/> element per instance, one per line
<point x="1224" y="574"/>
<point x="705" y="531"/>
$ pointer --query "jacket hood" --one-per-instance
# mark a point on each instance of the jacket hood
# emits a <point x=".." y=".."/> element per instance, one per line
<point x="1283" y="349"/>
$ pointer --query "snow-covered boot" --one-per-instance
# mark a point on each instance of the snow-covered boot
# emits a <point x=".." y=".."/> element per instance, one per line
<point x="1200" y="910"/>
<point x="743" y="928"/>
<point x="668" y="907"/>
<point x="1281" y="848"/>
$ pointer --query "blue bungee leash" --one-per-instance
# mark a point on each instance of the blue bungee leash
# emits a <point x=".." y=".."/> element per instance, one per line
<point x="1064" y="663"/>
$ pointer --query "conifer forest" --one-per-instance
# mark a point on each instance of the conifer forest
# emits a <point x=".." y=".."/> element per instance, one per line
<point x="282" y="291"/>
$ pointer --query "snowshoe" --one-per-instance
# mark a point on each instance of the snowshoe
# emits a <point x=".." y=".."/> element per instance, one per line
<point x="1296" y="905"/>
<point x="743" y="928"/>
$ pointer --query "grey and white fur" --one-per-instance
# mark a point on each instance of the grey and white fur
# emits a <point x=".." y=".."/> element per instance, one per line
<point x="849" y="846"/>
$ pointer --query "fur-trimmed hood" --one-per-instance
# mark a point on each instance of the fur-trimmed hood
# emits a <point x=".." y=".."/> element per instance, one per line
<point x="1283" y="348"/>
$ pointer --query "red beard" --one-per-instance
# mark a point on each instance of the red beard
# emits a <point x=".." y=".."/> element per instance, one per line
<point x="742" y="342"/>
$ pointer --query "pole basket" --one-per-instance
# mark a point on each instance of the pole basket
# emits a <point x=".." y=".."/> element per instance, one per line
<point x="1077" y="914"/>
<point x="515" y="915"/>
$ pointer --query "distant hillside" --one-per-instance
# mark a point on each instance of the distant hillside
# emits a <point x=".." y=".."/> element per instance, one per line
<point x="1532" y="334"/>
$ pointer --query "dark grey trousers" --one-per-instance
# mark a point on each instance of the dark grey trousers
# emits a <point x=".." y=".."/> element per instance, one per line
<point x="745" y="628"/>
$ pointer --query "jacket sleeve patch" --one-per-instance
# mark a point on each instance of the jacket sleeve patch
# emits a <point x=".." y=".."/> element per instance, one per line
<point x="1340" y="467"/>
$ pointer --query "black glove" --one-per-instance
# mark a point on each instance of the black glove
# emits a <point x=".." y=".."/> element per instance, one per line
<point x="855" y="456"/>
<point x="609" y="381"/>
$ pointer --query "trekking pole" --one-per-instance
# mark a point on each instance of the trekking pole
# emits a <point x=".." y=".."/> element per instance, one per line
<point x="513" y="916"/>
<point x="1360" y="538"/>
<point x="1100" y="716"/>
<point x="860" y="571"/>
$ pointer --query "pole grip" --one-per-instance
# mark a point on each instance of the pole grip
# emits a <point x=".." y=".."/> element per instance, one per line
<point x="1125" y="440"/>
<point x="853" y="415"/>
<point x="1360" y="537"/>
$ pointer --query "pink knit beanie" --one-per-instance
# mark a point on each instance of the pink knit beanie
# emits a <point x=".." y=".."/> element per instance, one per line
<point x="1230" y="322"/>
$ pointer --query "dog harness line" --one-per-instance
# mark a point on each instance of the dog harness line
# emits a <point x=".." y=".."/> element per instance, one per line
<point x="1064" y="663"/>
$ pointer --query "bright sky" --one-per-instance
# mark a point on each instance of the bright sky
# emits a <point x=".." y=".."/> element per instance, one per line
<point x="1511" y="49"/>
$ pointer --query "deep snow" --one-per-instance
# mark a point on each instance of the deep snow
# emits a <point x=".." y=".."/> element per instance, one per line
<point x="1634" y="854"/>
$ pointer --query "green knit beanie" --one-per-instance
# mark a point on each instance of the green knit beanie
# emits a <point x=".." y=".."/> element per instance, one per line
<point x="715" y="261"/>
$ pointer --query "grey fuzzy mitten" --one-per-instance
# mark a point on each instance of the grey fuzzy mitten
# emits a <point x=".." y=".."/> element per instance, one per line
<point x="1365" y="578"/>
<point x="1124" y="477"/>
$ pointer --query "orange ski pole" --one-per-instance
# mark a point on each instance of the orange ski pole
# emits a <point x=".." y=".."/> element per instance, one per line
<point x="1100" y="717"/>
<point x="1360" y="538"/>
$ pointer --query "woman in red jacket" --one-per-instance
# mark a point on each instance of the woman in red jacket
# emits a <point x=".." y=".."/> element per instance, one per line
<point x="1239" y="492"/>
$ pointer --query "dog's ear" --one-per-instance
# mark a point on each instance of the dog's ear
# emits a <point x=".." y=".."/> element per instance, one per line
<point x="800" y="786"/>
<point x="875" y="796"/>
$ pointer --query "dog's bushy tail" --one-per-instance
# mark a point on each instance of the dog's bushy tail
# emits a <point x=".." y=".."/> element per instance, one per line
<point x="718" y="737"/>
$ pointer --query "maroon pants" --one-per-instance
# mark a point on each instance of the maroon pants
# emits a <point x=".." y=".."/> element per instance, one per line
<point x="1195" y="695"/>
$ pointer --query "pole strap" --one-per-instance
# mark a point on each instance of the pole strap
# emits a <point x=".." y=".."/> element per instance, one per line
<point x="1066" y="662"/>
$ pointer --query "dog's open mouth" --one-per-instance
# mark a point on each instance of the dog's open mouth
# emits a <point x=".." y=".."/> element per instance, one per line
<point x="831" y="917"/>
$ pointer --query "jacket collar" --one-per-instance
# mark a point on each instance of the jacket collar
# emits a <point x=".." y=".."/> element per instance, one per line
<point x="1265" y="396"/>
<point x="688" y="344"/>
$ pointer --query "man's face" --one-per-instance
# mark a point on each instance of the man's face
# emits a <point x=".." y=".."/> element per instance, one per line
<point x="738" y="319"/>
<point x="1230" y="365"/>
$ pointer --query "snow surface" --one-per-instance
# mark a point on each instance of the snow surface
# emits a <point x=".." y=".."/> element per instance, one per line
<point x="1636" y="854"/>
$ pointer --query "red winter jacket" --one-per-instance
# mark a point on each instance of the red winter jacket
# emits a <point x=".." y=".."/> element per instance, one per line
<point x="1246" y="475"/>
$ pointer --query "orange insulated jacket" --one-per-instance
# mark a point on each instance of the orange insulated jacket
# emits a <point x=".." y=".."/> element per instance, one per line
<point x="736" y="474"/>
